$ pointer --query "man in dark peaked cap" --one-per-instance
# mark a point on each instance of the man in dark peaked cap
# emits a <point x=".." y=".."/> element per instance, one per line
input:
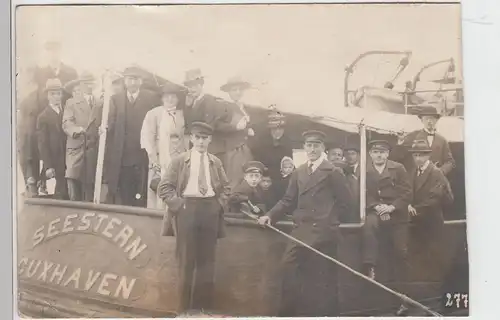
<point x="316" y="196"/>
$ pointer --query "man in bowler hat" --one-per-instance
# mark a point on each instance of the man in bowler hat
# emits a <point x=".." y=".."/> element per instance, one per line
<point x="316" y="196"/>
<point x="192" y="189"/>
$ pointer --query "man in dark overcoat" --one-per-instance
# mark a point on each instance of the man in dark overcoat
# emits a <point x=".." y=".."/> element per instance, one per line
<point x="316" y="196"/>
<point x="52" y="139"/>
<point x="430" y="189"/>
<point x="193" y="188"/>
<point x="388" y="193"/>
<point x="441" y="155"/>
<point x="126" y="163"/>
<point x="352" y="174"/>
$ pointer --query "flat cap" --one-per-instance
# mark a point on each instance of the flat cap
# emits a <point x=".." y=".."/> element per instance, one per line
<point x="254" y="166"/>
<point x="201" y="128"/>
<point x="379" y="145"/>
<point x="314" y="136"/>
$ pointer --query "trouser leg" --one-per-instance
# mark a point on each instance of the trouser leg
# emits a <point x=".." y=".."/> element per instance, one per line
<point x="400" y="251"/>
<point x="291" y="285"/>
<point x="61" y="188"/>
<point x="370" y="240"/>
<point x="130" y="185"/>
<point x="74" y="189"/>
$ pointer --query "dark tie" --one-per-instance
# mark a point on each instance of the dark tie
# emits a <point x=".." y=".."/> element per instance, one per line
<point x="202" y="177"/>
<point x="310" y="168"/>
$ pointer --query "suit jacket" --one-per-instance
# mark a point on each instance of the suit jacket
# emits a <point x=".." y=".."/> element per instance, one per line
<point x="78" y="113"/>
<point x="352" y="179"/>
<point x="392" y="187"/>
<point x="240" y="137"/>
<point x="175" y="181"/>
<point x="428" y="192"/>
<point x="215" y="112"/>
<point x="242" y="193"/>
<point x="316" y="202"/>
<point x="51" y="140"/>
<point x="441" y="154"/>
<point x="29" y="110"/>
<point x="145" y="101"/>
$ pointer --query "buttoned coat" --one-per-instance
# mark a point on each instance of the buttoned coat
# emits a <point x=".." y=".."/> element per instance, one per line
<point x="51" y="141"/>
<point x="145" y="101"/>
<point x="316" y="202"/>
<point x="441" y="154"/>
<point x="175" y="181"/>
<point x="392" y="187"/>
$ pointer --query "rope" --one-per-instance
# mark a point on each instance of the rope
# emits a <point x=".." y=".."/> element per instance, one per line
<point x="403" y="297"/>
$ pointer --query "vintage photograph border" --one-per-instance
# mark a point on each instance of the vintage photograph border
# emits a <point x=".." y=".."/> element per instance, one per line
<point x="481" y="49"/>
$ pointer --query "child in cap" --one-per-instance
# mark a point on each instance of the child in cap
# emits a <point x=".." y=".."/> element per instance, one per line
<point x="248" y="194"/>
<point x="267" y="186"/>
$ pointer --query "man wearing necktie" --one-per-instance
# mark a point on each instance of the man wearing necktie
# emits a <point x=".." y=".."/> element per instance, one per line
<point x="440" y="156"/>
<point x="192" y="188"/>
<point x="430" y="191"/>
<point x="79" y="124"/>
<point x="317" y="196"/>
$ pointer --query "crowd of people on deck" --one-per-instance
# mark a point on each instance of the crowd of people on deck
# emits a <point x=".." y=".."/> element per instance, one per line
<point x="155" y="158"/>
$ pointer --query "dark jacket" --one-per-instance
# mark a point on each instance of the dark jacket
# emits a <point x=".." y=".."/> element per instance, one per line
<point x="243" y="193"/>
<point x="270" y="152"/>
<point x="392" y="187"/>
<point x="215" y="112"/>
<point x="441" y="154"/>
<point x="175" y="181"/>
<point x="145" y="101"/>
<point x="29" y="110"/>
<point x="352" y="177"/>
<point x="316" y="202"/>
<point x="51" y="141"/>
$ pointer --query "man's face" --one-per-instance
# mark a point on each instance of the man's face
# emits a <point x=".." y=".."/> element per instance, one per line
<point x="429" y="122"/>
<point x="335" y="154"/>
<point x="420" y="158"/>
<point x="195" y="88"/>
<point x="352" y="157"/>
<point x="253" y="178"/>
<point x="132" y="84"/>
<point x="314" y="150"/>
<point x="236" y="93"/>
<point x="277" y="133"/>
<point x="170" y="100"/>
<point x="379" y="156"/>
<point x="200" y="141"/>
<point x="54" y="97"/>
<point x="265" y="183"/>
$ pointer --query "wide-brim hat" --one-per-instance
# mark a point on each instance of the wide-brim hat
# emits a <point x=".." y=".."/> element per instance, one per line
<point x="420" y="146"/>
<point x="53" y="85"/>
<point x="254" y="167"/>
<point x="314" y="136"/>
<point x="132" y="72"/>
<point x="235" y="82"/>
<point x="379" y="145"/>
<point x="84" y="77"/>
<point x="193" y="75"/>
<point x="201" y="128"/>
<point x="428" y="111"/>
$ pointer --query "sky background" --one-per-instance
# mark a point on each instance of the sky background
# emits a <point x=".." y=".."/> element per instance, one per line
<point x="294" y="55"/>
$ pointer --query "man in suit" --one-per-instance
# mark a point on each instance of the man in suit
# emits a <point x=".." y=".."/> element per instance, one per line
<point x="80" y="115"/>
<point x="192" y="189"/>
<point x="388" y="193"/>
<point x="52" y="139"/>
<point x="126" y="163"/>
<point x="317" y="195"/>
<point x="352" y="173"/>
<point x="202" y="107"/>
<point x="430" y="187"/>
<point x="441" y="155"/>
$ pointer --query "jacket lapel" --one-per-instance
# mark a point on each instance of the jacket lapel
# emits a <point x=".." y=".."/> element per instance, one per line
<point x="321" y="173"/>
<point x="420" y="180"/>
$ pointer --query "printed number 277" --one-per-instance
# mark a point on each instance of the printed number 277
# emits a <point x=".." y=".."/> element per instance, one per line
<point x="457" y="300"/>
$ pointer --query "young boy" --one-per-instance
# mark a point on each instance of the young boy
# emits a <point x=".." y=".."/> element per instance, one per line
<point x="269" y="193"/>
<point x="248" y="194"/>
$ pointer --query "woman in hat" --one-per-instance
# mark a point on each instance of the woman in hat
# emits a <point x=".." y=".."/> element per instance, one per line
<point x="163" y="137"/>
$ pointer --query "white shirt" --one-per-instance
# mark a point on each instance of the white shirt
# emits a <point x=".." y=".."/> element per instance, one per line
<point x="317" y="162"/>
<point x="422" y="168"/>
<point x="197" y="99"/>
<point x="56" y="108"/>
<point x="89" y="98"/>
<point x="430" y="137"/>
<point x="132" y="95"/>
<point x="192" y="189"/>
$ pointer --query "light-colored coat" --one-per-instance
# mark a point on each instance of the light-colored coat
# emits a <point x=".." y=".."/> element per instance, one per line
<point x="163" y="137"/>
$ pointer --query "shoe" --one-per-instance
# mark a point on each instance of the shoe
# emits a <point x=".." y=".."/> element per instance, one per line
<point x="402" y="311"/>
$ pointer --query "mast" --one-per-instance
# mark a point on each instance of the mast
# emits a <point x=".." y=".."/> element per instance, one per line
<point x="102" y="137"/>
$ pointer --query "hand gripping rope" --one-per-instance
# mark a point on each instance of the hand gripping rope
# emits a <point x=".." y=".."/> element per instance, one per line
<point x="403" y="297"/>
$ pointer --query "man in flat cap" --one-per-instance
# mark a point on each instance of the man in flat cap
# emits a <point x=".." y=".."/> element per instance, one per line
<point x="388" y="193"/>
<point x="441" y="154"/>
<point x="316" y="196"/>
<point x="52" y="139"/>
<point x="126" y="163"/>
<point x="430" y="192"/>
<point x="80" y="124"/>
<point x="192" y="189"/>
<point x="248" y="194"/>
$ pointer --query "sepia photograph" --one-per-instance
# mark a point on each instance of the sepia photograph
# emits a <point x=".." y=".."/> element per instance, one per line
<point x="240" y="160"/>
